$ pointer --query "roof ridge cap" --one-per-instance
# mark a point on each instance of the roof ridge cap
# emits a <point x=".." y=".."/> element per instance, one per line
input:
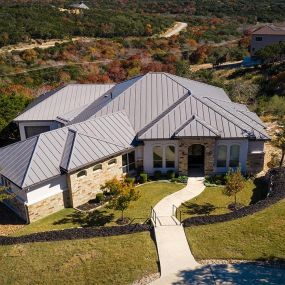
<point x="30" y="161"/>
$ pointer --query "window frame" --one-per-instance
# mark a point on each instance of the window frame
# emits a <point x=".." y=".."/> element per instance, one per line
<point x="230" y="154"/>
<point x="156" y="160"/>
<point x="258" y="38"/>
<point x="165" y="156"/>
<point x="129" y="166"/>
<point x="81" y="173"/>
<point x="217" y="159"/>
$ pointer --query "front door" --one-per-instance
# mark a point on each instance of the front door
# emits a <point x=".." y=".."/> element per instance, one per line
<point x="196" y="158"/>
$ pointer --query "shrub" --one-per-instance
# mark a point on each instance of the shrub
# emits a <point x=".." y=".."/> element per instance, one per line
<point x="180" y="179"/>
<point x="143" y="177"/>
<point x="215" y="180"/>
<point x="157" y="174"/>
<point x="170" y="174"/>
<point x="99" y="197"/>
<point x="130" y="180"/>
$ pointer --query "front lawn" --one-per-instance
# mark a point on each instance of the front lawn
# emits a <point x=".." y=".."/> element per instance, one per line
<point x="259" y="236"/>
<point x="108" y="260"/>
<point x="139" y="211"/>
<point x="212" y="200"/>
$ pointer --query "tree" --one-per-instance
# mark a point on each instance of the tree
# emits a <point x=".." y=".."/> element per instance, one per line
<point x="234" y="183"/>
<point x="123" y="194"/>
<point x="279" y="141"/>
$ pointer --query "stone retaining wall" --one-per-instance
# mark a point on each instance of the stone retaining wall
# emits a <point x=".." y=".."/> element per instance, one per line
<point x="255" y="162"/>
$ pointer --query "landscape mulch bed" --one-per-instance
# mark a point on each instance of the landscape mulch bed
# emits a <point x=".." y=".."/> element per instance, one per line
<point x="276" y="182"/>
<point x="77" y="233"/>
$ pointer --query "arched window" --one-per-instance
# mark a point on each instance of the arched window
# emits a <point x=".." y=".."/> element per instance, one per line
<point x="234" y="155"/>
<point x="170" y="156"/>
<point x="157" y="154"/>
<point x="112" y="161"/>
<point x="82" y="173"/>
<point x="222" y="156"/>
<point x="97" y="167"/>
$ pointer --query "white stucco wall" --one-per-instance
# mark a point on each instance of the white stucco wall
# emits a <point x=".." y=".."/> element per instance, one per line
<point x="243" y="153"/>
<point x="52" y="124"/>
<point x="148" y="155"/>
<point x="47" y="189"/>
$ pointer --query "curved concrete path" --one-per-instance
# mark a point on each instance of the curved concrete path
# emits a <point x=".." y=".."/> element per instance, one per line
<point x="172" y="246"/>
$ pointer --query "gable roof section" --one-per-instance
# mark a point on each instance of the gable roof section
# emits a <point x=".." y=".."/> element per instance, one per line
<point x="42" y="157"/>
<point x="63" y="100"/>
<point x="270" y="30"/>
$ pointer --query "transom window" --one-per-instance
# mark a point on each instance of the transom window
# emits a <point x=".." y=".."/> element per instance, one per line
<point x="170" y="156"/>
<point x="222" y="156"/>
<point x="157" y="156"/>
<point x="258" y="39"/>
<point x="128" y="160"/>
<point x="112" y="161"/>
<point x="234" y="155"/>
<point x="82" y="173"/>
<point x="97" y="167"/>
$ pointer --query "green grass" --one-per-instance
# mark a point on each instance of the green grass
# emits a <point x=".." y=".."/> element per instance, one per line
<point x="259" y="236"/>
<point x="212" y="200"/>
<point x="110" y="260"/>
<point x="138" y="211"/>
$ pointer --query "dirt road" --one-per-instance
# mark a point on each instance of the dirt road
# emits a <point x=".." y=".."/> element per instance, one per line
<point x="175" y="30"/>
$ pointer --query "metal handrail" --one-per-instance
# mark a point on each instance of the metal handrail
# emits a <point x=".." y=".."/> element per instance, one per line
<point x="153" y="215"/>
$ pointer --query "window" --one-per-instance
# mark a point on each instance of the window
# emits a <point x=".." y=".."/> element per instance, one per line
<point x="112" y="161"/>
<point x="82" y="173"/>
<point x="222" y="156"/>
<point x="128" y="162"/>
<point x="170" y="156"/>
<point x="157" y="156"/>
<point x="97" y="167"/>
<point x="258" y="39"/>
<point x="234" y="155"/>
<point x="35" y="130"/>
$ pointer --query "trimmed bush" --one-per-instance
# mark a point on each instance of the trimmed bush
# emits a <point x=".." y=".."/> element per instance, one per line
<point x="157" y="174"/>
<point x="143" y="177"/>
<point x="99" y="197"/>
<point x="130" y="180"/>
<point x="170" y="174"/>
<point x="215" y="180"/>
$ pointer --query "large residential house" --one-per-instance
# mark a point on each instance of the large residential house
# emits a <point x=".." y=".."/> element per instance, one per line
<point x="80" y="135"/>
<point x="265" y="36"/>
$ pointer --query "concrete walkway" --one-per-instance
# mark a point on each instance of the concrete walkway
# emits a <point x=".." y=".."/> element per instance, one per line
<point x="172" y="246"/>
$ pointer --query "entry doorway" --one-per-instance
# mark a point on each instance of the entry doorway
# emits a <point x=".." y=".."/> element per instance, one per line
<point x="196" y="159"/>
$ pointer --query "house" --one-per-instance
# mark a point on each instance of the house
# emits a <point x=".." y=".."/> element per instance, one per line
<point x="265" y="36"/>
<point x="80" y="135"/>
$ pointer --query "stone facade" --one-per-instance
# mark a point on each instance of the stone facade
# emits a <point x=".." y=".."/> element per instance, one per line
<point x="48" y="206"/>
<point x="255" y="162"/>
<point x="84" y="188"/>
<point x="208" y="143"/>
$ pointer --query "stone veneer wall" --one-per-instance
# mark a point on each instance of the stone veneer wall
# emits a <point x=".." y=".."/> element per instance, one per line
<point x="48" y="206"/>
<point x="184" y="144"/>
<point x="255" y="162"/>
<point x="82" y="189"/>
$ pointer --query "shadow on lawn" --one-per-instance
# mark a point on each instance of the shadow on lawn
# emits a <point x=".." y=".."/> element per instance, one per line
<point x="196" y="209"/>
<point x="95" y="218"/>
<point x="260" y="191"/>
<point x="238" y="273"/>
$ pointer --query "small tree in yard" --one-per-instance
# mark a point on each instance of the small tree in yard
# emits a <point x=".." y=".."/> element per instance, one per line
<point x="279" y="141"/>
<point x="123" y="193"/>
<point x="234" y="184"/>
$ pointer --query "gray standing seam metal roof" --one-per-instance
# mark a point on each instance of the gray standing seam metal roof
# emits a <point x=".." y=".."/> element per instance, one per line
<point x="42" y="157"/>
<point x="152" y="106"/>
<point x="63" y="100"/>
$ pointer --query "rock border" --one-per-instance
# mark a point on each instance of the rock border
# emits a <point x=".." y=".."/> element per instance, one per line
<point x="275" y="179"/>
<point x="75" y="233"/>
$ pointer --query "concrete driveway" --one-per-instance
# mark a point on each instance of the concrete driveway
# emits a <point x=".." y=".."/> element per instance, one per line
<point x="229" y="274"/>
